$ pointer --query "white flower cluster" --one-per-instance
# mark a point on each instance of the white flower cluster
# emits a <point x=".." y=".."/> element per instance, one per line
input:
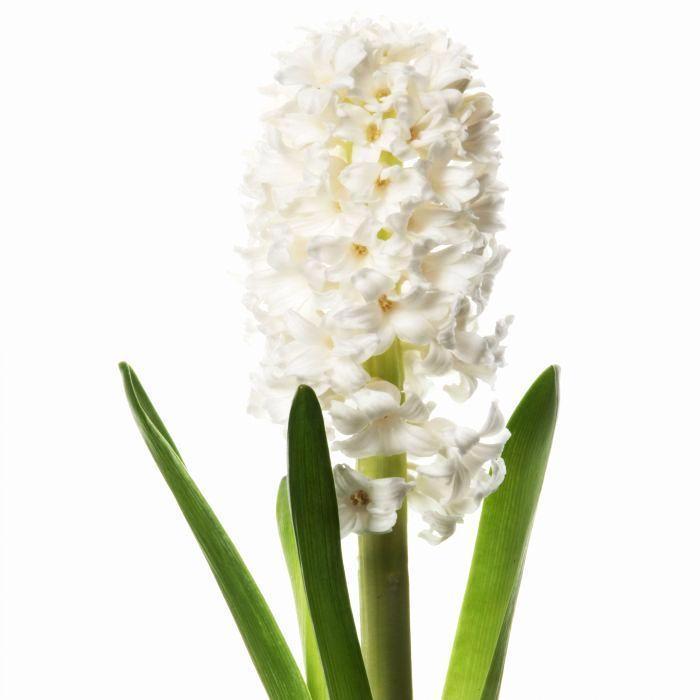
<point x="375" y="209"/>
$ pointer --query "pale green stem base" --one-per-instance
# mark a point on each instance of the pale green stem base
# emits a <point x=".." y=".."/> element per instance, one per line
<point x="384" y="586"/>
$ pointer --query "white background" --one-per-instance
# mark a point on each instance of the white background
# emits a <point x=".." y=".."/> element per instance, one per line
<point x="123" y="127"/>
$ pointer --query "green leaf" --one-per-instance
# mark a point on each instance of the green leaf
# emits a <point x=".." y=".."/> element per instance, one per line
<point x="315" y="518"/>
<point x="315" y="679"/>
<point x="266" y="645"/>
<point x="478" y="654"/>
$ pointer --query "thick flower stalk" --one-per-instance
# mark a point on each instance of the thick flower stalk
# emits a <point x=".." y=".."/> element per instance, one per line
<point x="372" y="256"/>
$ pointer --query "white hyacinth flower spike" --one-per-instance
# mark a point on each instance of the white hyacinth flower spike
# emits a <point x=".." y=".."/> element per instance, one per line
<point x="373" y="219"/>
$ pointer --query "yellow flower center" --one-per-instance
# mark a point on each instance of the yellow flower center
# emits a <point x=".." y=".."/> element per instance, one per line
<point x="359" y="249"/>
<point x="372" y="132"/>
<point x="359" y="498"/>
<point x="382" y="93"/>
<point x="385" y="304"/>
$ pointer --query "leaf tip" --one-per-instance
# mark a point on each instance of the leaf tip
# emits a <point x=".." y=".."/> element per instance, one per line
<point x="304" y="390"/>
<point x="305" y="399"/>
<point x="548" y="386"/>
<point x="549" y="378"/>
<point x="554" y="372"/>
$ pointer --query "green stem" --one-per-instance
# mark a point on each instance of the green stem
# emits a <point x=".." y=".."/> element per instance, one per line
<point x="384" y="591"/>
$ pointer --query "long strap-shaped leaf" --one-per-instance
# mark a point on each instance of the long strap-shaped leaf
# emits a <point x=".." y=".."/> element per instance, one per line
<point x="268" y="649"/>
<point x="315" y="517"/>
<point x="478" y="654"/>
<point x="315" y="679"/>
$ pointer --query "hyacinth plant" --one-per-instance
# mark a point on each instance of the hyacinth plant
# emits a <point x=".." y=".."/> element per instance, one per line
<point x="373" y="217"/>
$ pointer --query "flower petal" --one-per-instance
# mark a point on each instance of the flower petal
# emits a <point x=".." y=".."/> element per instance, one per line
<point x="348" y="480"/>
<point x="414" y="409"/>
<point x="495" y="422"/>
<point x="381" y="523"/>
<point x="378" y="399"/>
<point x="360" y="178"/>
<point x="418" y="441"/>
<point x="371" y="284"/>
<point x="387" y="493"/>
<point x="346" y="419"/>
<point x="328" y="249"/>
